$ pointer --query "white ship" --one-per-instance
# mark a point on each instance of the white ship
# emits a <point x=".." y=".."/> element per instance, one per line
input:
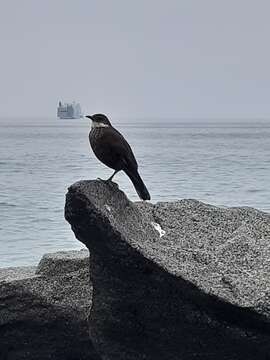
<point x="69" y="111"/>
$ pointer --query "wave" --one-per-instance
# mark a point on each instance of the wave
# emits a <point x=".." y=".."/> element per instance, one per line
<point x="255" y="190"/>
<point x="3" y="203"/>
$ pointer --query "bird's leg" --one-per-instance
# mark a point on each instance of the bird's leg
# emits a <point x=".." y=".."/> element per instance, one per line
<point x="111" y="177"/>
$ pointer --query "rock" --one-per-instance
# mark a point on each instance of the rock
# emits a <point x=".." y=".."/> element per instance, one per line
<point x="17" y="273"/>
<point x="63" y="262"/>
<point x="182" y="280"/>
<point x="45" y="316"/>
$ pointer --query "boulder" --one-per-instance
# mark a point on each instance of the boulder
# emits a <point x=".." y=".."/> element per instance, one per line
<point x="43" y="310"/>
<point x="180" y="280"/>
<point x="62" y="262"/>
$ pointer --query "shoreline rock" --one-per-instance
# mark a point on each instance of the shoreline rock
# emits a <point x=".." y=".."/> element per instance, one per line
<point x="44" y="309"/>
<point x="181" y="280"/>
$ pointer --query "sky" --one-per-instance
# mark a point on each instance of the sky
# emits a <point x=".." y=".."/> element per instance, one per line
<point x="150" y="59"/>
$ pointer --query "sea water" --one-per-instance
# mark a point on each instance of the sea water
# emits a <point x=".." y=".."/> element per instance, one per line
<point x="220" y="162"/>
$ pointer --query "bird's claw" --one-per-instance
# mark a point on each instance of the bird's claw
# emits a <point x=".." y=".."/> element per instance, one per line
<point x="105" y="180"/>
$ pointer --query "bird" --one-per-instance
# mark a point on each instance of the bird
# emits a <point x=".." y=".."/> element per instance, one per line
<point x="111" y="148"/>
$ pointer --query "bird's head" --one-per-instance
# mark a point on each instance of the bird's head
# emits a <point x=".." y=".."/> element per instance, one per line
<point x="99" y="120"/>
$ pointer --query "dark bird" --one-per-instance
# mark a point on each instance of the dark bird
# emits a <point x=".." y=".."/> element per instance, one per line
<point x="111" y="148"/>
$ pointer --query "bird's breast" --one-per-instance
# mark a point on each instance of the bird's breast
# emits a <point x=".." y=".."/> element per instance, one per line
<point x="95" y="134"/>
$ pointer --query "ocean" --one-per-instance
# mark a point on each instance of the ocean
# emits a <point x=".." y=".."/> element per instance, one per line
<point x="218" y="162"/>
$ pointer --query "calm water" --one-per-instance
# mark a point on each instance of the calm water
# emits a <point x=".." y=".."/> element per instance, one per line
<point x="220" y="163"/>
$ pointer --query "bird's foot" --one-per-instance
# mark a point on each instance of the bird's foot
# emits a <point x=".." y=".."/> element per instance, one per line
<point x="104" y="180"/>
<point x="107" y="181"/>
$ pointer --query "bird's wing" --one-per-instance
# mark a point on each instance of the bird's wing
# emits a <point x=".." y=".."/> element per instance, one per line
<point x="119" y="147"/>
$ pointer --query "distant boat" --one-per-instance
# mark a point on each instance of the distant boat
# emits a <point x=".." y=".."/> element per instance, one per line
<point x="69" y="111"/>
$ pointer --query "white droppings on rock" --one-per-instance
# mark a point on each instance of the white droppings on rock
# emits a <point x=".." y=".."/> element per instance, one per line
<point x="157" y="227"/>
<point x="108" y="207"/>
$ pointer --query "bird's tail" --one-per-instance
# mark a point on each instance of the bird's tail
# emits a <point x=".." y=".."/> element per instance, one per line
<point x="138" y="184"/>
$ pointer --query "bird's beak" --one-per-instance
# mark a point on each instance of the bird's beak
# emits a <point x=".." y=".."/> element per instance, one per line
<point x="89" y="117"/>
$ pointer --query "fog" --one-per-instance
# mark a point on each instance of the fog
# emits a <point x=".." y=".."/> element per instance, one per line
<point x="144" y="59"/>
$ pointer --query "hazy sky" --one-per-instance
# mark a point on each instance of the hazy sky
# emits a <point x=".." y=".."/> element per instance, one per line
<point x="143" y="58"/>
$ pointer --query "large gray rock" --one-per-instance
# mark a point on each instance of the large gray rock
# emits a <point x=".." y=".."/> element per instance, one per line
<point x="62" y="262"/>
<point x="44" y="316"/>
<point x="172" y="281"/>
